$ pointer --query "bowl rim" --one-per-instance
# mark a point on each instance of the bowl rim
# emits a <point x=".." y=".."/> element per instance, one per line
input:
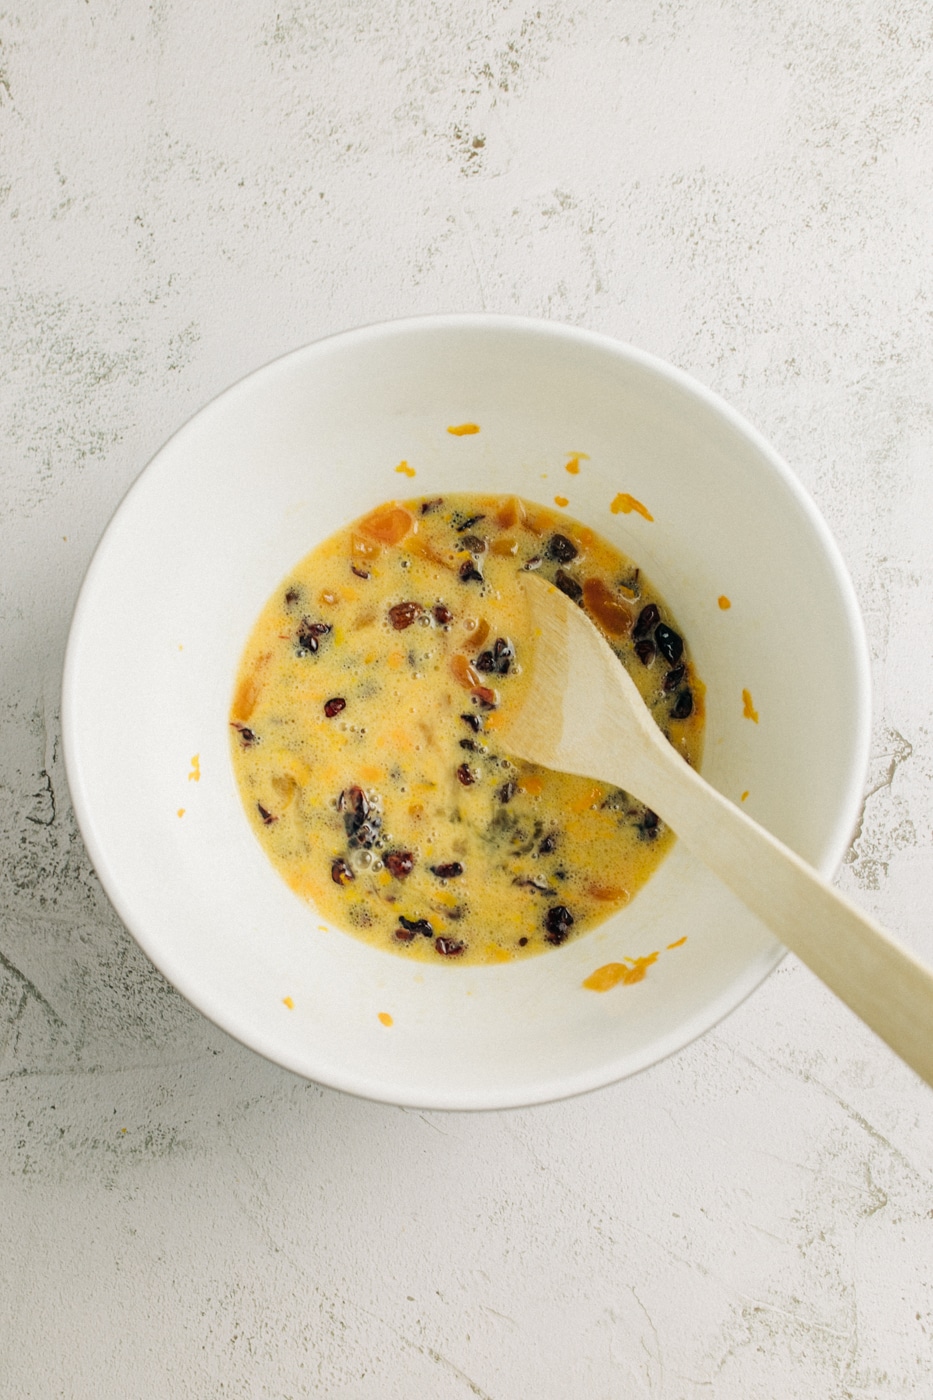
<point x="850" y="802"/>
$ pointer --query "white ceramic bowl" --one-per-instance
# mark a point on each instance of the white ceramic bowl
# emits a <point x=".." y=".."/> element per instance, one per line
<point x="281" y="460"/>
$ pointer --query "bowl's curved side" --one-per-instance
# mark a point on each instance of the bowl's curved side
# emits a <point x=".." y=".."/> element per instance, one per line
<point x="278" y="462"/>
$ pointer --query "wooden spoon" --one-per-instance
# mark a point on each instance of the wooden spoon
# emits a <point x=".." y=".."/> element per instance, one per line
<point x="583" y="714"/>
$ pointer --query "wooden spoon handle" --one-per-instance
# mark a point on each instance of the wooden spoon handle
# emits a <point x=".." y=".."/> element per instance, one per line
<point x="879" y="979"/>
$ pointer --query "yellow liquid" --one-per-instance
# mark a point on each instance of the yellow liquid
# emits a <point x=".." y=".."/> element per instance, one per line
<point x="364" y="724"/>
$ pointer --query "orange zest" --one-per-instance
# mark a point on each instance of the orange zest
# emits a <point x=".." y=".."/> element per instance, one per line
<point x="463" y="429"/>
<point x="748" y="709"/>
<point x="625" y="504"/>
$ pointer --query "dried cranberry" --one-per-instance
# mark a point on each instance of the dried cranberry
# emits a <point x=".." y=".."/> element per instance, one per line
<point x="267" y="817"/>
<point x="450" y="871"/>
<point x="649" y="617"/>
<point x="568" y="585"/>
<point x="474" y="544"/>
<point x="561" y="549"/>
<point x="399" y="863"/>
<point x="466" y="775"/>
<point x="402" y="615"/>
<point x="670" y="645"/>
<point x="469" y="571"/>
<point x="449" y="947"/>
<point x="333" y="707"/>
<point x="683" y="705"/>
<point x="442" y="614"/>
<point x="340" y="873"/>
<point x="474" y="722"/>
<point x="416" y="926"/>
<point x="674" y="677"/>
<point x="646" y="651"/>
<point x="558" y="921"/>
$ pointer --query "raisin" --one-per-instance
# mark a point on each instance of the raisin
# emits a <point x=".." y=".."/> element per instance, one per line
<point x="558" y="921"/>
<point x="307" y="641"/>
<point x="247" y="737"/>
<point x="334" y="706"/>
<point x="532" y="564"/>
<point x="568" y="585"/>
<point x="442" y="614"/>
<point x="485" y="662"/>
<point x="470" y="746"/>
<point x="547" y="845"/>
<point x="473" y="721"/>
<point x="399" y="863"/>
<point x="267" y="817"/>
<point x="646" y="651"/>
<point x="522" y="942"/>
<point x="560" y="548"/>
<point x="683" y="705"/>
<point x="416" y="926"/>
<point x="450" y="871"/>
<point x="292" y="596"/>
<point x="360" y="573"/>
<point x="468" y="524"/>
<point x="670" y="645"/>
<point x="474" y="544"/>
<point x="674" y="677"/>
<point x="449" y="947"/>
<point x="466" y="775"/>
<point x="427" y="506"/>
<point x="507" y="791"/>
<point x="340" y="873"/>
<point x="650" y="820"/>
<point x="404" y="935"/>
<point x="469" y="571"/>
<point x="503" y="655"/>
<point x="402" y="615"/>
<point x="649" y="617"/>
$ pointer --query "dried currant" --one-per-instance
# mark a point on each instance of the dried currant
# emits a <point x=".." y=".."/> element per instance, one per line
<point x="468" y="524"/>
<point x="333" y="707"/>
<point x="267" y="816"/>
<point x="507" y="791"/>
<point x="558" y="921"/>
<point x="291" y="597"/>
<point x="474" y="543"/>
<point x="427" y="506"/>
<point x="449" y="947"/>
<point x="360" y="573"/>
<point x="645" y="650"/>
<point x="547" y="845"/>
<point x="247" y="736"/>
<point x="670" y="645"/>
<point x="560" y="548"/>
<point x="340" y="873"/>
<point x="416" y="926"/>
<point x="450" y="871"/>
<point x="673" y="678"/>
<point x="442" y="614"/>
<point x="402" y="615"/>
<point x="649" y="617"/>
<point x="309" y="635"/>
<point x="469" y="571"/>
<point x="503" y="655"/>
<point x="485" y="662"/>
<point x="399" y="863"/>
<point x="473" y="721"/>
<point x="568" y="585"/>
<point x="682" y="707"/>
<point x="466" y="775"/>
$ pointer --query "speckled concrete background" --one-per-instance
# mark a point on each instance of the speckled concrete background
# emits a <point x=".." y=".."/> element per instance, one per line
<point x="187" y="190"/>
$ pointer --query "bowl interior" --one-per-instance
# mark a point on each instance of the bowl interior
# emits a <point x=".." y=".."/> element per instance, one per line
<point x="279" y="462"/>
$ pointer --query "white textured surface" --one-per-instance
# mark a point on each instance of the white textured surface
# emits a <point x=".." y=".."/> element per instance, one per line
<point x="186" y="191"/>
